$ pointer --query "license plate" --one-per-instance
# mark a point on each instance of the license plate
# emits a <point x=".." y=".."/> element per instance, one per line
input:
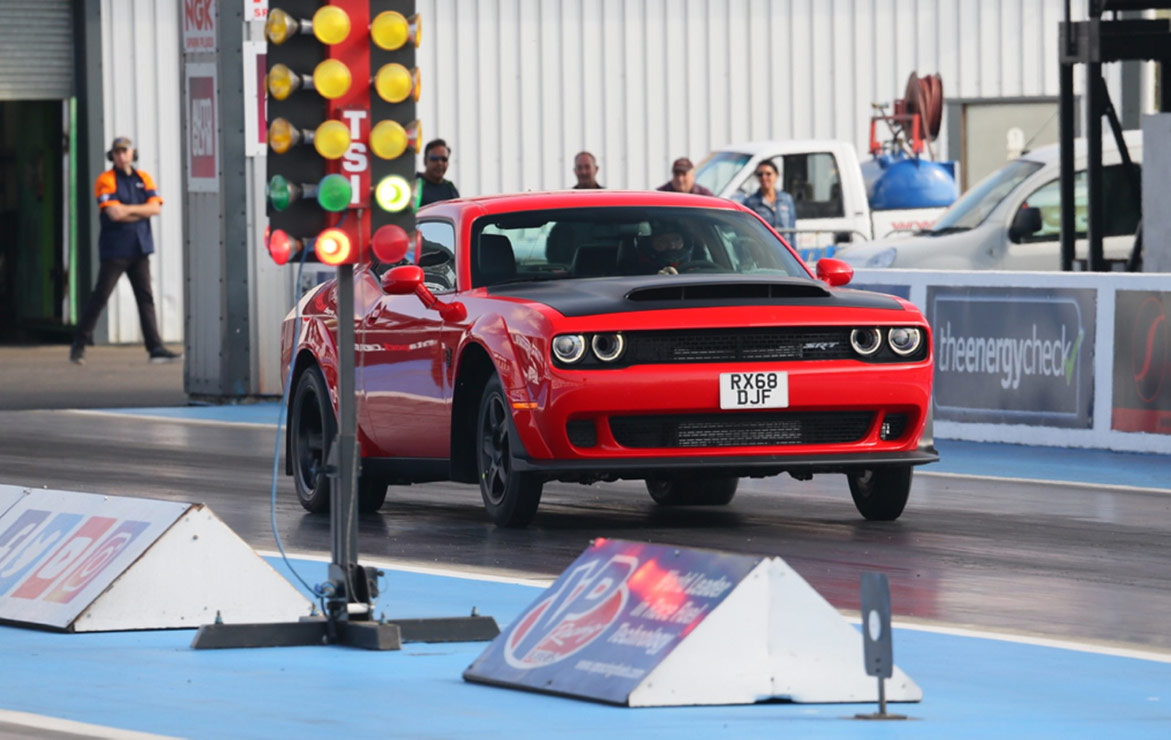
<point x="767" y="390"/>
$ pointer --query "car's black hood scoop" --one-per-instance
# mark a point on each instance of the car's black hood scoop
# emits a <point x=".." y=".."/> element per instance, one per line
<point x="586" y="296"/>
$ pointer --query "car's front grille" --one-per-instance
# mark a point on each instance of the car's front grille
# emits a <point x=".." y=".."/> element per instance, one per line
<point x="743" y="345"/>
<point x="739" y="429"/>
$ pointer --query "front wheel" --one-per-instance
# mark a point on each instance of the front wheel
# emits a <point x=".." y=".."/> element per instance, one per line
<point x="312" y="428"/>
<point x="881" y="493"/>
<point x="510" y="497"/>
<point x="709" y="491"/>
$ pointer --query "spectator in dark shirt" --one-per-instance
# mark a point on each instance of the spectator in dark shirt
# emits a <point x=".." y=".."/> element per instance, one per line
<point x="430" y="184"/>
<point x="127" y="199"/>
<point x="585" y="169"/>
<point x="683" y="179"/>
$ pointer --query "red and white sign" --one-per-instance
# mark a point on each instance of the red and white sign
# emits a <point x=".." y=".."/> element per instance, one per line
<point x="202" y="122"/>
<point x="59" y="552"/>
<point x="199" y="29"/>
<point x="257" y="10"/>
<point x="85" y="562"/>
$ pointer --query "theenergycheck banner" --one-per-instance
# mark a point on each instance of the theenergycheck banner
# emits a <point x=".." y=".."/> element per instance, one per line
<point x="1013" y="355"/>
<point x="1142" y="362"/>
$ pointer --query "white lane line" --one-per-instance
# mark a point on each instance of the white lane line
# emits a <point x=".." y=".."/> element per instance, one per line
<point x="935" y="627"/>
<point x="174" y="419"/>
<point x="68" y="726"/>
<point x="1041" y="481"/>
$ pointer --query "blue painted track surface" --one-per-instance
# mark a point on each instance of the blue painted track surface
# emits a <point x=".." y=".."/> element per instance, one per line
<point x="152" y="682"/>
<point x="974" y="686"/>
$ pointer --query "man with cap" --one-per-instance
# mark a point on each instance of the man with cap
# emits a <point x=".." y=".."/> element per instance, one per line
<point x="127" y="198"/>
<point x="683" y="179"/>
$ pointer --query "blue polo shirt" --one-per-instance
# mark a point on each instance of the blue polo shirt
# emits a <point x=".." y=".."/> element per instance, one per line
<point x="124" y="239"/>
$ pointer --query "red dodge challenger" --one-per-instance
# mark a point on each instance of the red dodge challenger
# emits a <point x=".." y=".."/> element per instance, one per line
<point x="596" y="335"/>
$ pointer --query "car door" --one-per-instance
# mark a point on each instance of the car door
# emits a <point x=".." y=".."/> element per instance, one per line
<point x="1042" y="250"/>
<point x="404" y="381"/>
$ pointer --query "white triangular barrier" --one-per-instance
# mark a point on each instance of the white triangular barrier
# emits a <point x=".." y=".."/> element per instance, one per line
<point x="650" y="625"/>
<point x="86" y="562"/>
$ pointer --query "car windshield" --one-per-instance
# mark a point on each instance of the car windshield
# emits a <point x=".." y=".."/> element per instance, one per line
<point x="970" y="210"/>
<point x="715" y="172"/>
<point x="576" y="243"/>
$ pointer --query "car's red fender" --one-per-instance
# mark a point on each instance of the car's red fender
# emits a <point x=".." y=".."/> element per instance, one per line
<point x="518" y="353"/>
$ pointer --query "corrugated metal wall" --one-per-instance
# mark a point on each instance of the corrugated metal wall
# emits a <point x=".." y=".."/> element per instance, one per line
<point x="36" y="50"/>
<point x="517" y="87"/>
<point x="140" y="77"/>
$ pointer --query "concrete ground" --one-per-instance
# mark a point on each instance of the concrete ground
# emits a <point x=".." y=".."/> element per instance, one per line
<point x="113" y="376"/>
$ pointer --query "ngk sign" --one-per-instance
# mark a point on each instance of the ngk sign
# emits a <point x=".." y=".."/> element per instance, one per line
<point x="202" y="141"/>
<point x="199" y="25"/>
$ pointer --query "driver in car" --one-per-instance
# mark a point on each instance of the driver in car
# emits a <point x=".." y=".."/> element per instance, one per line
<point x="665" y="253"/>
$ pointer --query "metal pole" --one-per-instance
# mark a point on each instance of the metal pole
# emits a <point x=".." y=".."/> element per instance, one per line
<point x="343" y="492"/>
<point x="1095" y="210"/>
<point x="1066" y="130"/>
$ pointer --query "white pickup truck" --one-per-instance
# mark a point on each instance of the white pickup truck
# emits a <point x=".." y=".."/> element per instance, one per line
<point x="829" y="185"/>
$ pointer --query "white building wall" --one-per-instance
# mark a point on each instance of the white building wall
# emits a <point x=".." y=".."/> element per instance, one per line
<point x="517" y="87"/>
<point x="142" y="91"/>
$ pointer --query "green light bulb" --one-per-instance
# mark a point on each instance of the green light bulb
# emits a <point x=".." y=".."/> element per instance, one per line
<point x="334" y="193"/>
<point x="279" y="192"/>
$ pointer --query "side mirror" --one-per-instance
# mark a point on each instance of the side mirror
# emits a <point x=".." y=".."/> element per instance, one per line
<point x="834" y="272"/>
<point x="402" y="280"/>
<point x="407" y="279"/>
<point x="1026" y="222"/>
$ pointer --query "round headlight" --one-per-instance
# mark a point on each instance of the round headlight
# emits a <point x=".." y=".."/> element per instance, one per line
<point x="608" y="347"/>
<point x="569" y="348"/>
<point x="866" y="341"/>
<point x="904" y="340"/>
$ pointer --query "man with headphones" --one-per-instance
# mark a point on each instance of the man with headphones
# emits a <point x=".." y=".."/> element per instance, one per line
<point x="127" y="198"/>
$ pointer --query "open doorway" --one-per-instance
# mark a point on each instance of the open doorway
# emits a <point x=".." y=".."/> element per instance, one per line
<point x="38" y="292"/>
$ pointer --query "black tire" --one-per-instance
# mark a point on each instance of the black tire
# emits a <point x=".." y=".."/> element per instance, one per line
<point x="703" y="491"/>
<point x="371" y="493"/>
<point x="881" y="493"/>
<point x="510" y="497"/>
<point x="312" y="427"/>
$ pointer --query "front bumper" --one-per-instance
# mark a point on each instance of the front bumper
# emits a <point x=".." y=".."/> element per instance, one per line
<point x="739" y="466"/>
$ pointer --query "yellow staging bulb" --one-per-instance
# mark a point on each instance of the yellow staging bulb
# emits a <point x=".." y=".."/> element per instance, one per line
<point x="416" y="84"/>
<point x="282" y="81"/>
<point x="282" y="135"/>
<point x="390" y="30"/>
<point x="388" y="139"/>
<point x="279" y="26"/>
<point x="393" y="83"/>
<point x="332" y="79"/>
<point x="332" y="139"/>
<point x="331" y="24"/>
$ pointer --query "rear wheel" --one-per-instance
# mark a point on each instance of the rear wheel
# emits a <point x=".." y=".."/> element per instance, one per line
<point x="510" y="497"/>
<point x="312" y="428"/>
<point x="881" y="493"/>
<point x="704" y="491"/>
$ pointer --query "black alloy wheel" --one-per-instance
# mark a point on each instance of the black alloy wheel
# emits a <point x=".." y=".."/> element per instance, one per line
<point x="701" y="491"/>
<point x="880" y="494"/>
<point x="510" y="497"/>
<point x="312" y="428"/>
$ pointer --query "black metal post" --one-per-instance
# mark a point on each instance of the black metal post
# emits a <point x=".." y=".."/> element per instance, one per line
<point x="1095" y="207"/>
<point x="343" y="520"/>
<point x="1066" y="126"/>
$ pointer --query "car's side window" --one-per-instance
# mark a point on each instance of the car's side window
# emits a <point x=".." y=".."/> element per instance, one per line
<point x="437" y="257"/>
<point x="1122" y="214"/>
